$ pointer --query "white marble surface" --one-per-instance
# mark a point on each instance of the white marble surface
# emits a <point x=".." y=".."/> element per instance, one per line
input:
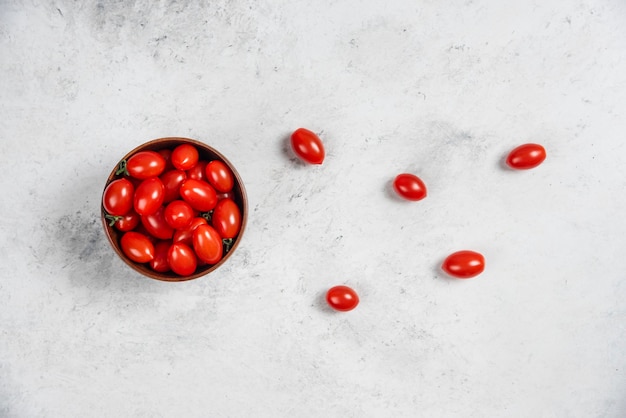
<point x="442" y="89"/>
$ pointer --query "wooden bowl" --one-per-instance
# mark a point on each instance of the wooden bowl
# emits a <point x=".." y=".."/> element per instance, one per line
<point x="207" y="153"/>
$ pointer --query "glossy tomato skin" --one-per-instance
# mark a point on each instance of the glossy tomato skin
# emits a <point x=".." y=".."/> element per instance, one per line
<point x="137" y="247"/>
<point x="178" y="214"/>
<point x="182" y="259"/>
<point x="409" y="187"/>
<point x="464" y="264"/>
<point x="127" y="222"/>
<point x="198" y="171"/>
<point x="149" y="196"/>
<point x="156" y="224"/>
<point x="219" y="176"/>
<point x="308" y="146"/>
<point x="184" y="157"/>
<point x="185" y="235"/>
<point x="342" y="298"/>
<point x="159" y="262"/>
<point x="145" y="164"/>
<point x="117" y="198"/>
<point x="207" y="244"/>
<point x="526" y="156"/>
<point x="171" y="181"/>
<point x="226" y="218"/>
<point x="199" y="194"/>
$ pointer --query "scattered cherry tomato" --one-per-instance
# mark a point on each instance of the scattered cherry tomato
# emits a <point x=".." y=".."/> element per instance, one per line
<point x="308" y="146"/>
<point x="226" y="218"/>
<point x="178" y="214"/>
<point x="182" y="259"/>
<point x="149" y="196"/>
<point x="464" y="264"/>
<point x="185" y="235"/>
<point x="117" y="198"/>
<point x="342" y="298"/>
<point x="526" y="156"/>
<point x="207" y="244"/>
<point x="409" y="186"/>
<point x="137" y="247"/>
<point x="199" y="194"/>
<point x="126" y="222"/>
<point x="185" y="156"/>
<point x="219" y="176"/>
<point x="159" y="262"/>
<point x="171" y="181"/>
<point x="197" y="172"/>
<point x="145" y="164"/>
<point x="156" y="224"/>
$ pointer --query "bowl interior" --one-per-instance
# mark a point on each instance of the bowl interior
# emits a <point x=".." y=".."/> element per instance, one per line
<point x="207" y="153"/>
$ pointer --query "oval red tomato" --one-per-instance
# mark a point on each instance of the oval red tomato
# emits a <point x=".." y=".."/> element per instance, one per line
<point x="117" y="198"/>
<point x="198" y="171"/>
<point x="125" y="223"/>
<point x="159" y="262"/>
<point x="185" y="235"/>
<point x="308" y="146"/>
<point x="157" y="225"/>
<point x="178" y="214"/>
<point x="137" y="247"/>
<point x="207" y="244"/>
<point x="410" y="187"/>
<point x="171" y="181"/>
<point x="342" y="298"/>
<point x="145" y="164"/>
<point x="199" y="194"/>
<point x="526" y="156"/>
<point x="220" y="176"/>
<point x="226" y="218"/>
<point x="149" y="196"/>
<point x="181" y="259"/>
<point x="185" y="156"/>
<point x="464" y="264"/>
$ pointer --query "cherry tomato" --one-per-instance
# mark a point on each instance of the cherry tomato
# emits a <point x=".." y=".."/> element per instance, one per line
<point x="220" y="176"/>
<point x="199" y="194"/>
<point x="171" y="181"/>
<point x="145" y="164"/>
<point x="409" y="186"/>
<point x="198" y="171"/>
<point x="464" y="264"/>
<point x="185" y="235"/>
<point x="125" y="223"/>
<point x="167" y="155"/>
<point x="181" y="259"/>
<point x="526" y="156"/>
<point x="207" y="244"/>
<point x="117" y="198"/>
<point x="159" y="262"/>
<point x="226" y="218"/>
<point x="184" y="157"/>
<point x="137" y="247"/>
<point x="156" y="224"/>
<point x="178" y="214"/>
<point x="149" y="196"/>
<point x="342" y="298"/>
<point x="308" y="146"/>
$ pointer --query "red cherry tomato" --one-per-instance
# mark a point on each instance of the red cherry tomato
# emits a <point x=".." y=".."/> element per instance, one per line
<point x="220" y="176"/>
<point x="526" y="156"/>
<point x="117" y="198"/>
<point x="207" y="244"/>
<point x="409" y="186"/>
<point x="178" y="214"/>
<point x="145" y="164"/>
<point x="226" y="218"/>
<point x="181" y="259"/>
<point x="149" y="196"/>
<point x="197" y="172"/>
<point x="464" y="264"/>
<point x="184" y="157"/>
<point x="157" y="225"/>
<point x="171" y="181"/>
<point x="185" y="235"/>
<point x="125" y="223"/>
<point x="199" y="194"/>
<point x="308" y="146"/>
<point x="159" y="262"/>
<point x="342" y="298"/>
<point x="137" y="247"/>
<point x="167" y="155"/>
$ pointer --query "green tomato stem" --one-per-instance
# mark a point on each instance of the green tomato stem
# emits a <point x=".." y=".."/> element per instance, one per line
<point x="121" y="169"/>
<point x="228" y="243"/>
<point x="112" y="219"/>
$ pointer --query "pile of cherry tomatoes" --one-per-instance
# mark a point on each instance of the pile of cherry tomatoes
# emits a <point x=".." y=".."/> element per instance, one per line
<point x="175" y="211"/>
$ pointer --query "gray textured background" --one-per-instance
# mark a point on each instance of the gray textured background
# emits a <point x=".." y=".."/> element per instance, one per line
<point x="441" y="89"/>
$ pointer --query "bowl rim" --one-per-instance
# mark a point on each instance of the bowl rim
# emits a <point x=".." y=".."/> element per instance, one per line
<point x="169" y="276"/>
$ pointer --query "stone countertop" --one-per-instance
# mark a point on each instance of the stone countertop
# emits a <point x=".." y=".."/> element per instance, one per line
<point x="440" y="89"/>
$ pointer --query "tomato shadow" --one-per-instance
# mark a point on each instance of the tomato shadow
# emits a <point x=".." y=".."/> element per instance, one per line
<point x="288" y="153"/>
<point x="391" y="194"/>
<point x="322" y="305"/>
